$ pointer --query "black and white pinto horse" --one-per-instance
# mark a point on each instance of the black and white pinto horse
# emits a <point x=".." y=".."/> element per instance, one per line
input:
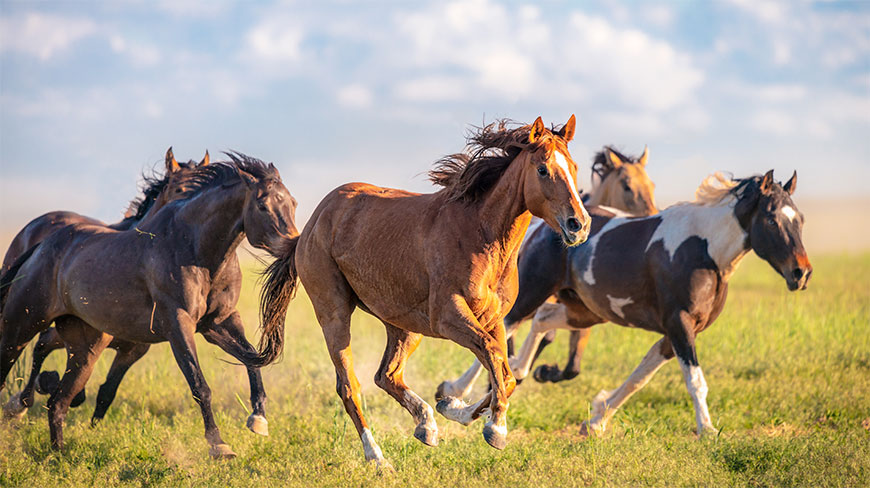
<point x="666" y="273"/>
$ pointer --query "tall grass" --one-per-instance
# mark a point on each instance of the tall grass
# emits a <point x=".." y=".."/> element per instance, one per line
<point x="788" y="376"/>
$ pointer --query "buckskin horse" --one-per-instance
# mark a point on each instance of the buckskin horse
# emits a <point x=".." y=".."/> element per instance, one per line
<point x="619" y="182"/>
<point x="441" y="265"/>
<point x="669" y="273"/>
<point x="156" y="193"/>
<point x="172" y="277"/>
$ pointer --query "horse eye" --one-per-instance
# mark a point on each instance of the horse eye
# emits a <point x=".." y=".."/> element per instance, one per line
<point x="542" y="170"/>
<point x="770" y="221"/>
<point x="626" y="187"/>
<point x="261" y="206"/>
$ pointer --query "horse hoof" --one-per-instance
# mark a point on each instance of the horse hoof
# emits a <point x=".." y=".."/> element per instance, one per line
<point x="14" y="408"/>
<point x="708" y="432"/>
<point x="587" y="430"/>
<point x="441" y="392"/>
<point x="221" y="451"/>
<point x="544" y="373"/>
<point x="47" y="382"/>
<point x="258" y="424"/>
<point x="427" y="435"/>
<point x="384" y="466"/>
<point x="453" y="409"/>
<point x="495" y="436"/>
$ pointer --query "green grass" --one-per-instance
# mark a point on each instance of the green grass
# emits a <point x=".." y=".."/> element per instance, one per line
<point x="789" y="377"/>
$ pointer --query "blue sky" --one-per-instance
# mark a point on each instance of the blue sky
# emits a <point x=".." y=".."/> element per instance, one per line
<point x="92" y="93"/>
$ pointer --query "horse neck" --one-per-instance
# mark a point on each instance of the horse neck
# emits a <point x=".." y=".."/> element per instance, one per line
<point x="727" y="242"/>
<point x="504" y="215"/>
<point x="216" y="218"/>
<point x="601" y="194"/>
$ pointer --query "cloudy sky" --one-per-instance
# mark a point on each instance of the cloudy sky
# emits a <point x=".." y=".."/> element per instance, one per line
<point x="92" y="93"/>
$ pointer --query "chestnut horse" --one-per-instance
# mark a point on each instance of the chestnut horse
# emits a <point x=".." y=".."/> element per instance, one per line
<point x="176" y="274"/>
<point x="441" y="265"/>
<point x="157" y="192"/>
<point x="669" y="274"/>
<point x="619" y="182"/>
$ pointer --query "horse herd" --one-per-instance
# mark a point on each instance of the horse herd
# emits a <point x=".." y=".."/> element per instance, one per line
<point x="499" y="243"/>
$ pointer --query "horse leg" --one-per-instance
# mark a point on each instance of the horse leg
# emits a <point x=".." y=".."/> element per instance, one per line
<point x="461" y="387"/>
<point x="681" y="332"/>
<point x="229" y="335"/>
<point x="576" y="346"/>
<point x="180" y="334"/>
<point x="549" y="317"/>
<point x="390" y="377"/>
<point x="84" y="345"/>
<point x="48" y="341"/>
<point x="127" y="354"/>
<point x="605" y="404"/>
<point x="491" y="350"/>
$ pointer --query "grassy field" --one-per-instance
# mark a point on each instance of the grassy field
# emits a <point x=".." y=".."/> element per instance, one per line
<point x="789" y="377"/>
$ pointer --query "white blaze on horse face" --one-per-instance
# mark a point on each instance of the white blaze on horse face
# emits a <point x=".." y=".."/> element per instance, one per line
<point x="562" y="162"/>
<point x="789" y="212"/>
<point x="616" y="304"/>
<point x="372" y="449"/>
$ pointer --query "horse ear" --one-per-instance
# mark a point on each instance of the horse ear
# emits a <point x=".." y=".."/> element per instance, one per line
<point x="644" y="157"/>
<point x="274" y="170"/>
<point x="205" y="160"/>
<point x="766" y="183"/>
<point x="615" y="160"/>
<point x="171" y="164"/>
<point x="536" y="130"/>
<point x="567" y="132"/>
<point x="790" y="185"/>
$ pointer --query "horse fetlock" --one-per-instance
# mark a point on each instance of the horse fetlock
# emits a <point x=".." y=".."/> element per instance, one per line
<point x="258" y="424"/>
<point x="454" y="409"/>
<point x="221" y="451"/>
<point x="707" y="430"/>
<point x="15" y="408"/>
<point x="448" y="389"/>
<point x="599" y="404"/>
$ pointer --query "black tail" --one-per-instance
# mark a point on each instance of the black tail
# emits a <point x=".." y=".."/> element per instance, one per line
<point x="8" y="277"/>
<point x="278" y="289"/>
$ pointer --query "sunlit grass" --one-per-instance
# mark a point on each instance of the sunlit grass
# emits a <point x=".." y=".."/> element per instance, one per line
<point x="789" y="377"/>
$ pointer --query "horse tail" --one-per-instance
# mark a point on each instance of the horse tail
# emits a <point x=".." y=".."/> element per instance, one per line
<point x="8" y="277"/>
<point x="279" y="288"/>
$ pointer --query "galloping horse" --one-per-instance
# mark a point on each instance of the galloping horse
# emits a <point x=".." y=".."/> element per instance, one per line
<point x="441" y="265"/>
<point x="669" y="273"/>
<point x="157" y="192"/>
<point x="163" y="282"/>
<point x="619" y="182"/>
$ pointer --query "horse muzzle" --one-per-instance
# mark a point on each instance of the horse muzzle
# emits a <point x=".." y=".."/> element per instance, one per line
<point x="574" y="232"/>
<point x="798" y="277"/>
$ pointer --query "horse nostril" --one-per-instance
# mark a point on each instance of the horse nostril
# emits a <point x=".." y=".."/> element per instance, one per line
<point x="573" y="224"/>
<point x="798" y="273"/>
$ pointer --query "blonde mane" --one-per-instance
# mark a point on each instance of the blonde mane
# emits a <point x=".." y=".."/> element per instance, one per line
<point x="715" y="189"/>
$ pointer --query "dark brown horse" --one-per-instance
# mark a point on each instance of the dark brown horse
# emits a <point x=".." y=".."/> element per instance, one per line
<point x="669" y="273"/>
<point x="156" y="193"/>
<point x="163" y="282"/>
<point x="440" y="265"/>
<point x="619" y="182"/>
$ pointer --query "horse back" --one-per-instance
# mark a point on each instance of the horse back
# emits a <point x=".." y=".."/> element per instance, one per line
<point x="38" y="229"/>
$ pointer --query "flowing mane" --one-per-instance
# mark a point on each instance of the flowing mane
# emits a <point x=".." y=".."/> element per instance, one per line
<point x="601" y="165"/>
<point x="223" y="172"/>
<point x="717" y="187"/>
<point x="490" y="149"/>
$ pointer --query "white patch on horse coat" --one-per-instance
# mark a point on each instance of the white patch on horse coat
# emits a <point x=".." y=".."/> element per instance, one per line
<point x="616" y="212"/>
<point x="616" y="304"/>
<point x="372" y="450"/>
<point x="562" y="162"/>
<point x="587" y="275"/>
<point x="789" y="212"/>
<point x="533" y="226"/>
<point x="716" y="224"/>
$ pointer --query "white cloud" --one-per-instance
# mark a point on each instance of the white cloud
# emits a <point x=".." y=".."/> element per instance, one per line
<point x="773" y="122"/>
<point x="658" y="15"/>
<point x="355" y="96"/>
<point x="43" y="35"/>
<point x="770" y="11"/>
<point x="276" y="40"/>
<point x="630" y="65"/>
<point x="433" y="89"/>
<point x="138" y="54"/>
